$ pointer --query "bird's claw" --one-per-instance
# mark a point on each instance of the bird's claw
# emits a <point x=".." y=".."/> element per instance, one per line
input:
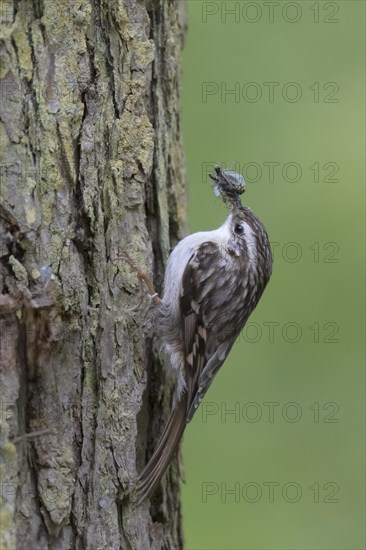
<point x="142" y="277"/>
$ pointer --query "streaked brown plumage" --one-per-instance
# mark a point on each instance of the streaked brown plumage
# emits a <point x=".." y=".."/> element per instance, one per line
<point x="213" y="282"/>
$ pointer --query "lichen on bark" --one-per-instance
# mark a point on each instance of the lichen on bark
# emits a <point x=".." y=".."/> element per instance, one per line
<point x="92" y="165"/>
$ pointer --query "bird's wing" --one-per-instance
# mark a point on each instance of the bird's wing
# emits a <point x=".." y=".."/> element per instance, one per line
<point x="205" y="347"/>
<point x="207" y="375"/>
<point x="200" y="294"/>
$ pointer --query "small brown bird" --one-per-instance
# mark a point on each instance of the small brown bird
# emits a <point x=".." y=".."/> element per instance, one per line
<point x="213" y="282"/>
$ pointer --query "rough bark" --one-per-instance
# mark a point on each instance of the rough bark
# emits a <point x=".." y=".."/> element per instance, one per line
<point x="91" y="166"/>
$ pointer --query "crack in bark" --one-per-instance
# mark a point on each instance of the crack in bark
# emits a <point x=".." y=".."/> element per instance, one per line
<point x="84" y="360"/>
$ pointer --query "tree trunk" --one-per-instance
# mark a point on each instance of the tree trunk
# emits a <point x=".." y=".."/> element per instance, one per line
<point x="92" y="165"/>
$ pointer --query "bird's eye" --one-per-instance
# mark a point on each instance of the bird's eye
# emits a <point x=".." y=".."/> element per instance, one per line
<point x="239" y="229"/>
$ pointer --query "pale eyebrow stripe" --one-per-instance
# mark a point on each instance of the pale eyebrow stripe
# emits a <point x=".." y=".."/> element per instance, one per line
<point x="251" y="243"/>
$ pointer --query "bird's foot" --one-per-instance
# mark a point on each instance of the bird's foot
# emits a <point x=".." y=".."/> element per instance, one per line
<point x="142" y="278"/>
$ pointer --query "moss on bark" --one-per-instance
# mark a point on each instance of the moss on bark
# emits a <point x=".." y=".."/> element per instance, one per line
<point x="92" y="165"/>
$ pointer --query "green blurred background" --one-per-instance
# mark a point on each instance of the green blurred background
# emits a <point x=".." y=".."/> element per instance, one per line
<point x="293" y="450"/>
